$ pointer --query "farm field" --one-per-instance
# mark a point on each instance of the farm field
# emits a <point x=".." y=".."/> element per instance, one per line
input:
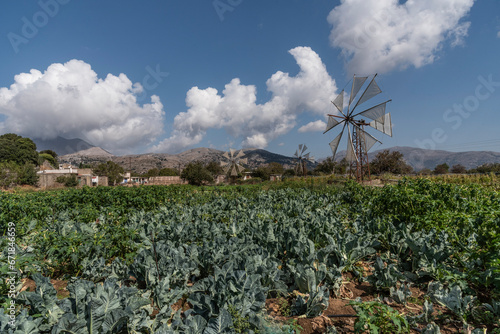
<point x="419" y="256"/>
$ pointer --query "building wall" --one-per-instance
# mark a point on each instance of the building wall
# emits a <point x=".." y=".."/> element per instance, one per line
<point x="49" y="180"/>
<point x="165" y="180"/>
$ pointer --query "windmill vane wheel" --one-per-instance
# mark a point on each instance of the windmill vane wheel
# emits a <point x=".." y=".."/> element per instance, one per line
<point x="232" y="165"/>
<point x="302" y="159"/>
<point x="359" y="142"/>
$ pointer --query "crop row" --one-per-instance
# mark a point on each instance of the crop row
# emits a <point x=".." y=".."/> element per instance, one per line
<point x="136" y="252"/>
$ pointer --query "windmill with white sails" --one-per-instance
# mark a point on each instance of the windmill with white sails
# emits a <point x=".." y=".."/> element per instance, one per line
<point x="233" y="164"/>
<point x="302" y="159"/>
<point x="359" y="142"/>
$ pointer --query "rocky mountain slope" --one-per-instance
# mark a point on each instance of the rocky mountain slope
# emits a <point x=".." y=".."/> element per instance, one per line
<point x="141" y="163"/>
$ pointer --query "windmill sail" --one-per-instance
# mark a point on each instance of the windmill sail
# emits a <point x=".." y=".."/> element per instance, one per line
<point x="339" y="101"/>
<point x="383" y="124"/>
<point x="332" y="122"/>
<point x="357" y="83"/>
<point x="372" y="90"/>
<point x="375" y="112"/>
<point x="334" y="144"/>
<point x="368" y="139"/>
<point x="351" y="155"/>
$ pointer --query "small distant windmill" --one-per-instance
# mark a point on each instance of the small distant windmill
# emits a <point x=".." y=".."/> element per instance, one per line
<point x="303" y="158"/>
<point x="359" y="141"/>
<point x="233" y="165"/>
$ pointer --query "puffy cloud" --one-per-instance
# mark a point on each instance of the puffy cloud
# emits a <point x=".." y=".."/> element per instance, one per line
<point x="383" y="35"/>
<point x="315" y="126"/>
<point x="498" y="34"/>
<point x="69" y="100"/>
<point x="236" y="110"/>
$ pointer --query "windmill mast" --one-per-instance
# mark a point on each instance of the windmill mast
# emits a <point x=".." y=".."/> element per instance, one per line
<point x="361" y="165"/>
<point x="359" y="141"/>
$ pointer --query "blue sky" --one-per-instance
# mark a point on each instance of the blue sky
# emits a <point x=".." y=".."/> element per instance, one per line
<point x="166" y="76"/>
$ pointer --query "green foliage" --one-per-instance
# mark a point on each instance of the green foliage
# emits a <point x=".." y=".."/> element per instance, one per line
<point x="225" y="249"/>
<point x="196" y="174"/>
<point x="161" y="172"/>
<point x="48" y="157"/>
<point x="389" y="162"/>
<point x="112" y="170"/>
<point x="14" y="174"/>
<point x="152" y="172"/>
<point x="240" y="324"/>
<point x="486" y="168"/>
<point x="214" y="168"/>
<point x="264" y="172"/>
<point x="284" y="307"/>
<point x="329" y="166"/>
<point x="458" y="169"/>
<point x="441" y="169"/>
<point x="8" y="174"/>
<point x="168" y="172"/>
<point x="50" y="152"/>
<point x="16" y="149"/>
<point x="377" y="318"/>
<point x="385" y="276"/>
<point x="68" y="181"/>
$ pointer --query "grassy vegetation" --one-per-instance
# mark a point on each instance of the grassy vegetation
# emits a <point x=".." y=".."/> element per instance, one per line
<point x="295" y="239"/>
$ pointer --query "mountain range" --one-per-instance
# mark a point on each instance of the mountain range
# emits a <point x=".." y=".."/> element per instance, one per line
<point x="77" y="151"/>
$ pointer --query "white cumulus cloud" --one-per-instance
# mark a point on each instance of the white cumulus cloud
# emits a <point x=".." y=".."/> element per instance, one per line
<point x="384" y="35"/>
<point x="315" y="126"/>
<point x="498" y="34"/>
<point x="237" y="112"/>
<point x="69" y="100"/>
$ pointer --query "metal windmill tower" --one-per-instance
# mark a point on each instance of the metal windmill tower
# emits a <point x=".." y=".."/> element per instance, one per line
<point x="233" y="165"/>
<point x="359" y="141"/>
<point x="302" y="159"/>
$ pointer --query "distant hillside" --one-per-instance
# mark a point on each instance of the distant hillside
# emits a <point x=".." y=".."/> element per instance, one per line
<point x="141" y="163"/>
<point x="419" y="158"/>
<point x="62" y="146"/>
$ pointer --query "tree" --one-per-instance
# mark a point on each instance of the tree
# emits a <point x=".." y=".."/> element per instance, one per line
<point x="441" y="169"/>
<point x="8" y="174"/>
<point x="168" y="172"/>
<point x="18" y="158"/>
<point x="52" y="153"/>
<point x="275" y="168"/>
<point x="152" y="172"/>
<point x="49" y="158"/>
<point x="110" y="169"/>
<point x="486" y="168"/>
<point x="458" y="169"/>
<point x="389" y="162"/>
<point x="68" y="181"/>
<point x="327" y="166"/>
<point x="14" y="148"/>
<point x="214" y="168"/>
<point x="196" y="174"/>
<point x="264" y="172"/>
<point x="425" y="171"/>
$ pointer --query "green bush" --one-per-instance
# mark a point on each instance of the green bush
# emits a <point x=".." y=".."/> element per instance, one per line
<point x="68" y="181"/>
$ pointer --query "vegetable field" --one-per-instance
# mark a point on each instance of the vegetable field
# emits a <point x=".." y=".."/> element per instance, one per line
<point x="416" y="257"/>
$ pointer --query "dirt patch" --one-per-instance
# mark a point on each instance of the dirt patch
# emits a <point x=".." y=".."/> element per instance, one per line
<point x="59" y="285"/>
<point x="181" y="304"/>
